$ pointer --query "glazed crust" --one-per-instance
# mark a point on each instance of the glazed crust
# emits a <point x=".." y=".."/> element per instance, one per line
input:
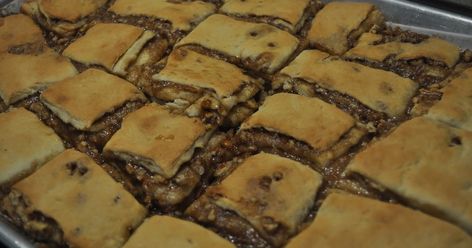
<point x="369" y="223"/>
<point x="69" y="10"/>
<point x="18" y="30"/>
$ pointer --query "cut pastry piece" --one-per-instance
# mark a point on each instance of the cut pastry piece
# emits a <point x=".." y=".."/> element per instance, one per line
<point x="272" y="193"/>
<point x="313" y="130"/>
<point x="166" y="231"/>
<point x="25" y="145"/>
<point x="379" y="90"/>
<point x="157" y="142"/>
<point x="287" y="14"/>
<point x="182" y="15"/>
<point x="22" y="75"/>
<point x="202" y="86"/>
<point x="62" y="16"/>
<point x="346" y="220"/>
<point x="71" y="200"/>
<point x="427" y="61"/>
<point x="337" y="26"/>
<point x="455" y="106"/>
<point x="111" y="45"/>
<point x="260" y="47"/>
<point x="85" y="98"/>
<point x="428" y="164"/>
<point x="18" y="30"/>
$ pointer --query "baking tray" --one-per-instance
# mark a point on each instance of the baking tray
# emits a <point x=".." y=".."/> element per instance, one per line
<point x="409" y="15"/>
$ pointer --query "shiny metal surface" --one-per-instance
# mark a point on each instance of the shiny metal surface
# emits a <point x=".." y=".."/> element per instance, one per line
<point x="405" y="14"/>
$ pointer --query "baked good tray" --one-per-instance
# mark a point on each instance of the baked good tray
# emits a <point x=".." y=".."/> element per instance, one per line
<point x="451" y="26"/>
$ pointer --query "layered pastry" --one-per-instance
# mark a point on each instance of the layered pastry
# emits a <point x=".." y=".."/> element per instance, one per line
<point x="64" y="17"/>
<point x="385" y="225"/>
<point x="231" y="123"/>
<point x="256" y="46"/>
<point x="161" y="231"/>
<point x="286" y="14"/>
<point x="83" y="110"/>
<point x="266" y="193"/>
<point x="202" y="86"/>
<point x="156" y="147"/>
<point x="71" y="201"/>
<point x="25" y="145"/>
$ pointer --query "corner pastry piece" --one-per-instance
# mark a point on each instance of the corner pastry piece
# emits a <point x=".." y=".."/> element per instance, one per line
<point x="71" y="200"/>
<point x="18" y="30"/>
<point x="272" y="193"/>
<point x="425" y="59"/>
<point x="166" y="231"/>
<point x="22" y="75"/>
<point x="337" y="26"/>
<point x="301" y="126"/>
<point x="286" y="14"/>
<point x="160" y="142"/>
<point x="111" y="45"/>
<point x="25" y="145"/>
<point x="314" y="72"/>
<point x="202" y="86"/>
<point x="87" y="109"/>
<point x="181" y="15"/>
<point x="428" y="164"/>
<point x="455" y="106"/>
<point x="346" y="220"/>
<point x="259" y="47"/>
<point x="62" y="16"/>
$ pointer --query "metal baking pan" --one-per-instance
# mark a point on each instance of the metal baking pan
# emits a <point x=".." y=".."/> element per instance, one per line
<point x="410" y="15"/>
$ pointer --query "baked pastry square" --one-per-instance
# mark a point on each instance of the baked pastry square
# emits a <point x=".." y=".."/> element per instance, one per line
<point x="83" y="99"/>
<point x="286" y="14"/>
<point x="379" y="90"/>
<point x="337" y="26"/>
<point x="111" y="45"/>
<point x="455" y="106"/>
<point x="346" y="220"/>
<point x="168" y="231"/>
<point x="272" y="193"/>
<point x="202" y="86"/>
<point x="323" y="130"/>
<point x="428" y="164"/>
<point x="425" y="59"/>
<point x="181" y="15"/>
<point x="17" y="30"/>
<point x="25" y="144"/>
<point x="73" y="200"/>
<point x="64" y="17"/>
<point x="22" y="75"/>
<point x="260" y="47"/>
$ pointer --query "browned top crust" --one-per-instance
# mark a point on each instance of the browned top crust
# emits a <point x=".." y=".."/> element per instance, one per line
<point x="25" y="144"/>
<point x="182" y="15"/>
<point x="380" y="90"/>
<point x="83" y="99"/>
<point x="90" y="207"/>
<point x="426" y="162"/>
<point x="23" y="75"/>
<point x="69" y="10"/>
<point x="18" y="30"/>
<point x="334" y="23"/>
<point x="187" y="67"/>
<point x="455" y="107"/>
<point x="431" y="48"/>
<point x="103" y="44"/>
<point x="166" y="231"/>
<point x="352" y="221"/>
<point x="315" y="122"/>
<point x="288" y="12"/>
<point x="284" y="189"/>
<point x="257" y="42"/>
<point x="157" y="139"/>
